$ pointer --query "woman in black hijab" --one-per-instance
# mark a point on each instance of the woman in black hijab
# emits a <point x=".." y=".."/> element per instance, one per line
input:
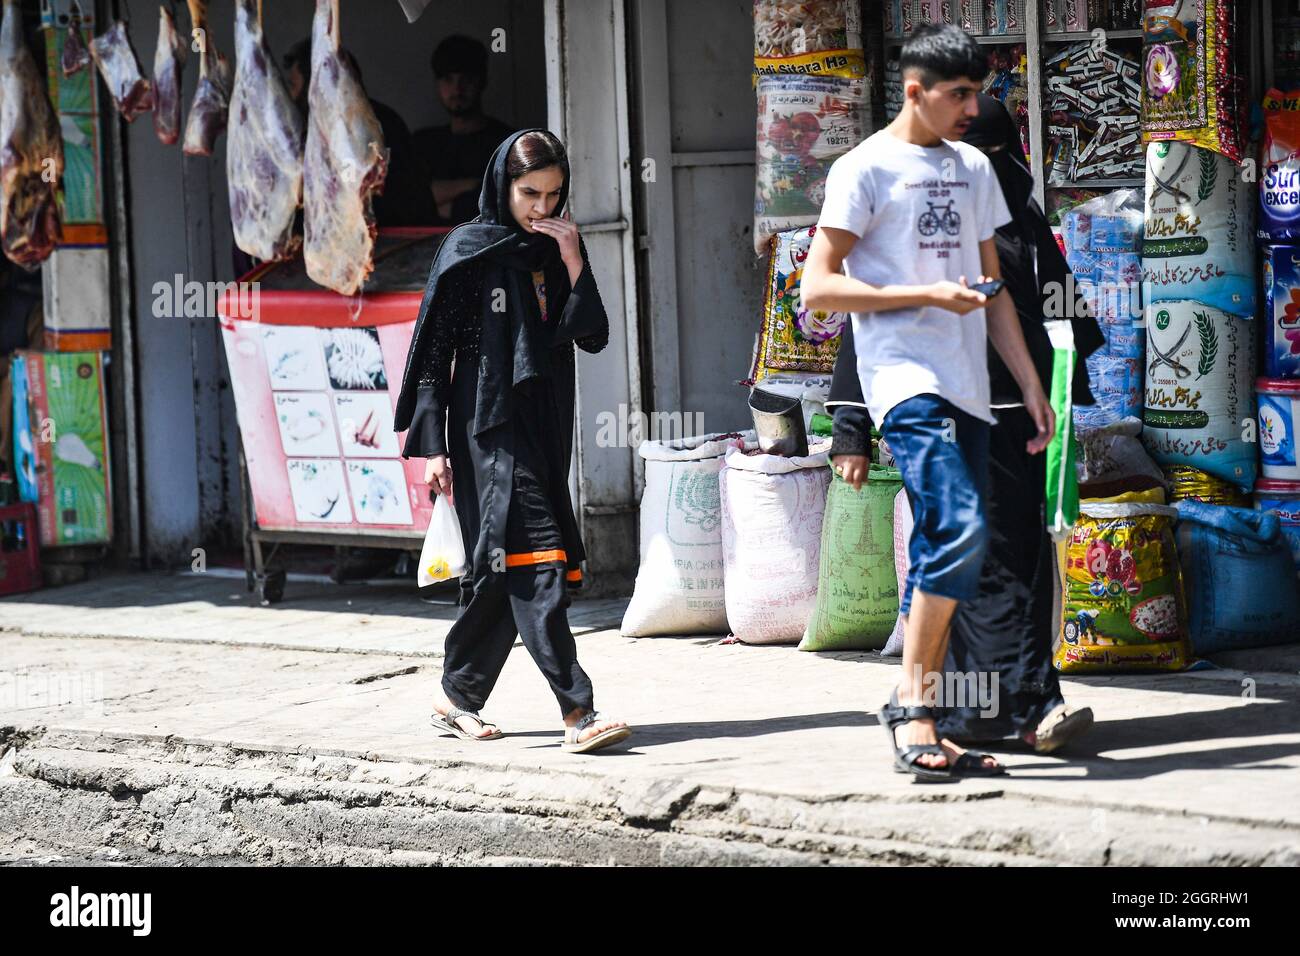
<point x="508" y="296"/>
<point x="1007" y="630"/>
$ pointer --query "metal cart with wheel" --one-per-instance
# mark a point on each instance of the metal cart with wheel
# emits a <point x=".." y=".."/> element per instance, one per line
<point x="315" y="377"/>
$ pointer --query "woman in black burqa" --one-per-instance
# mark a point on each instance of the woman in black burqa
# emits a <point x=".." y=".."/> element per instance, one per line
<point x="1007" y="630"/>
<point x="508" y="296"/>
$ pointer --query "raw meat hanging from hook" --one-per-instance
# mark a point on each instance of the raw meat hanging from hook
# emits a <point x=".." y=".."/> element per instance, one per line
<point x="345" y="165"/>
<point x="167" y="79"/>
<point x="31" y="151"/>
<point x="264" y="146"/>
<point x="207" y="118"/>
<point x="120" y="69"/>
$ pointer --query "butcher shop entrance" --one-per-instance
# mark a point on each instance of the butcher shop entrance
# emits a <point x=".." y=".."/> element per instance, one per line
<point x="158" y="200"/>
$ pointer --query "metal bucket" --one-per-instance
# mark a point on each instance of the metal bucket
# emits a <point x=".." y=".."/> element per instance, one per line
<point x="778" y="420"/>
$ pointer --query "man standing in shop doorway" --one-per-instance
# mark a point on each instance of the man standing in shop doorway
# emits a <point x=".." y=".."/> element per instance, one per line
<point x="457" y="154"/>
<point x="910" y="214"/>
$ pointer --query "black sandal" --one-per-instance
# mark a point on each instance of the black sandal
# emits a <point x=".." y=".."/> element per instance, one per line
<point x="971" y="764"/>
<point x="892" y="716"/>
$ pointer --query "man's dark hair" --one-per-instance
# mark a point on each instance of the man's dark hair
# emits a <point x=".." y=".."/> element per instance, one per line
<point x="460" y="54"/>
<point x="941" y="52"/>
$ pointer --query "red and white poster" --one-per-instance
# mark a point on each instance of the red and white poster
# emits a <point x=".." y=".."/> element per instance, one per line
<point x="315" y="408"/>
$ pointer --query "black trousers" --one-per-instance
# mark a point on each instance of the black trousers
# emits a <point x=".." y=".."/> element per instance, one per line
<point x="532" y="603"/>
<point x="1005" y="634"/>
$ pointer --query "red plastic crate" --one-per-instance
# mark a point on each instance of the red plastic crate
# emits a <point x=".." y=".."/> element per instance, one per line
<point x="20" y="570"/>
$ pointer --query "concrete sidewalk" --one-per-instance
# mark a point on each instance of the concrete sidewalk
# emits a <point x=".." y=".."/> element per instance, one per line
<point x="205" y="725"/>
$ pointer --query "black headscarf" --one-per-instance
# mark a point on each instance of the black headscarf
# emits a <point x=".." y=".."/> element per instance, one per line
<point x="1032" y="262"/>
<point x="512" y="346"/>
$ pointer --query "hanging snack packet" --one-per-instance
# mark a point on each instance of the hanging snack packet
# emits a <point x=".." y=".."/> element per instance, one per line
<point x="818" y="37"/>
<point x="794" y="338"/>
<point x="1189" y="76"/>
<point x="805" y="123"/>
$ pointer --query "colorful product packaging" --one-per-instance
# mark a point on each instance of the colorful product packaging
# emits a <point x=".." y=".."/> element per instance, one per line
<point x="1279" y="182"/>
<point x="793" y="338"/>
<point x="1121" y="598"/>
<point x="1281" y="318"/>
<point x="1279" y="414"/>
<point x="816" y="37"/>
<point x="61" y="429"/>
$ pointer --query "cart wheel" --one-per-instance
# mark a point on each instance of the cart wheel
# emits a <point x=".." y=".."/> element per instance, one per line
<point x="270" y="587"/>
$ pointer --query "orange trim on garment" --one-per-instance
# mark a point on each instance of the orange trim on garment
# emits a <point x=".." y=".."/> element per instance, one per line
<point x="534" y="557"/>
<point x="574" y="575"/>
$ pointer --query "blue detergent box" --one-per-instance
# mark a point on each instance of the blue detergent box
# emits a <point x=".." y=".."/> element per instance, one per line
<point x="1280" y="357"/>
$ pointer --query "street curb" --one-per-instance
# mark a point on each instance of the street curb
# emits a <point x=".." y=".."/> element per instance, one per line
<point x="211" y="799"/>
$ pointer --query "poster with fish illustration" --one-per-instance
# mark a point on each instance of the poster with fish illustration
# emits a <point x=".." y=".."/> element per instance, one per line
<point x="293" y="357"/>
<point x="315" y="407"/>
<point x="306" y="425"/>
<point x="378" y="492"/>
<point x="316" y="485"/>
<point x="64" y="402"/>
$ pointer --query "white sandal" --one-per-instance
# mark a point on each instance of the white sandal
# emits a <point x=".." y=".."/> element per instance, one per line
<point x="1060" y="726"/>
<point x="448" y="724"/>
<point x="612" y="736"/>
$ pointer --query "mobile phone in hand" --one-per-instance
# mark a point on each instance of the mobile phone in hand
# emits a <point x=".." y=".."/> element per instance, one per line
<point x="989" y="289"/>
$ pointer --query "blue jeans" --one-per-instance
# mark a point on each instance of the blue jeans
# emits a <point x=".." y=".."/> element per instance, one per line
<point x="942" y="453"/>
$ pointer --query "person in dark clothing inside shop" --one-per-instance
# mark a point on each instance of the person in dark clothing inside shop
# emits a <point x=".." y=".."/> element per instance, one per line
<point x="508" y="297"/>
<point x="456" y="154"/>
<point x="1007" y="630"/>
<point x="404" y="201"/>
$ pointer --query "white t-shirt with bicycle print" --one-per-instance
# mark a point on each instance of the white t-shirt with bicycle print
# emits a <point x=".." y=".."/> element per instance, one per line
<point x="920" y="213"/>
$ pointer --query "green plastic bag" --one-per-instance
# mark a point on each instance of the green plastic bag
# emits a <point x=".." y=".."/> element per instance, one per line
<point x="857" y="589"/>
<point x="1062" y="479"/>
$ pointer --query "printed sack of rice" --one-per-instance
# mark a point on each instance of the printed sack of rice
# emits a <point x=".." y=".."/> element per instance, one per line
<point x="1120" y="589"/>
<point x="791" y="337"/>
<point x="1279" y="184"/>
<point x="1200" y="394"/>
<point x="1190" y="73"/>
<point x="805" y="123"/>
<point x="679" y="583"/>
<point x="1240" y="582"/>
<point x="772" y="512"/>
<point x="817" y="37"/>
<point x="857" y="591"/>
<point x="1198" y="239"/>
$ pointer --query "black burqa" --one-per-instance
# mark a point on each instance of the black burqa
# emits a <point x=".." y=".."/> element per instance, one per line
<point x="1006" y="631"/>
<point x="517" y="405"/>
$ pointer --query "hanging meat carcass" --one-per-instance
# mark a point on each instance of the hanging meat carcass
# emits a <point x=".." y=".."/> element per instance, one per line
<point x="263" y="146"/>
<point x="75" y="56"/>
<point x="31" y="151"/>
<point x="207" y="118"/>
<point x="344" y="166"/>
<point x="167" y="62"/>
<point x="132" y="93"/>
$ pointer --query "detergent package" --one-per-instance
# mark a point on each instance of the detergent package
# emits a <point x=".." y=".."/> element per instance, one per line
<point x="1279" y="182"/>
<point x="1281" y="319"/>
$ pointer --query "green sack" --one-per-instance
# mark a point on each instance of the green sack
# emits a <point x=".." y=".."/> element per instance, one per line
<point x="857" y="589"/>
<point x="1062" y="479"/>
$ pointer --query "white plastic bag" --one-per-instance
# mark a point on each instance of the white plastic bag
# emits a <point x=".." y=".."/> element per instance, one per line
<point x="443" y="554"/>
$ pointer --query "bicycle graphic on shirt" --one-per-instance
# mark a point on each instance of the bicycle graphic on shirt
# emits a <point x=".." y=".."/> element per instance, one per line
<point x="939" y="217"/>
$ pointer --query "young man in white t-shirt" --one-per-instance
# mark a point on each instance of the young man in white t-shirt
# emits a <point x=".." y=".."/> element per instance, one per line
<point x="909" y="216"/>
